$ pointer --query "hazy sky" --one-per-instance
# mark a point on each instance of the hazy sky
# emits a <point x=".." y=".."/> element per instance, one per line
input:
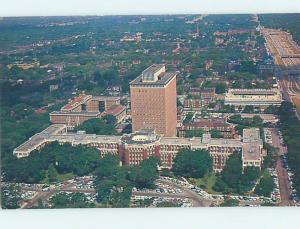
<point x="100" y="7"/>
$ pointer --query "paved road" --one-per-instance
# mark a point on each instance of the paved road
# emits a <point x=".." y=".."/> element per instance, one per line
<point x="44" y="195"/>
<point x="198" y="201"/>
<point x="283" y="180"/>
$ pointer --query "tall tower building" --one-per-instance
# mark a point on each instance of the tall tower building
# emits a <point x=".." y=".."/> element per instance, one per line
<point x="153" y="100"/>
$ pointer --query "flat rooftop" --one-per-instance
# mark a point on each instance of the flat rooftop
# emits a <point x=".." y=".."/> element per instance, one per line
<point x="82" y="138"/>
<point x="252" y="91"/>
<point x="251" y="135"/>
<point x="75" y="102"/>
<point x="41" y="137"/>
<point x="155" y="75"/>
<point x="251" y="151"/>
<point x="106" y="98"/>
<point x="76" y="113"/>
<point x="164" y="79"/>
<point x="115" y="110"/>
<point x="202" y="90"/>
<point x="144" y="136"/>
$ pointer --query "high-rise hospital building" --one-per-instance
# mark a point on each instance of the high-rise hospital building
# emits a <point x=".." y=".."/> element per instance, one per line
<point x="153" y="101"/>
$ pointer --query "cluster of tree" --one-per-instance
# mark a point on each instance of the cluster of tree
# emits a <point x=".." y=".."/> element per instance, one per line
<point x="108" y="78"/>
<point x="271" y="157"/>
<point x="216" y="133"/>
<point x="248" y="109"/>
<point x="290" y="128"/>
<point x="219" y="87"/>
<point x="229" y="203"/>
<point x="194" y="133"/>
<point x="10" y="196"/>
<point x="72" y="200"/>
<point x="114" y="183"/>
<point x="243" y="123"/>
<point x="271" y="110"/>
<point x="233" y="179"/>
<point x="50" y="161"/>
<point x="188" y="118"/>
<point x="266" y="185"/>
<point x="246" y="80"/>
<point x="100" y="126"/>
<point x="192" y="163"/>
<point x="167" y="204"/>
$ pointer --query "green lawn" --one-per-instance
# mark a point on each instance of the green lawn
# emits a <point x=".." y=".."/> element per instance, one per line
<point x="206" y="183"/>
<point x="60" y="178"/>
<point x="67" y="176"/>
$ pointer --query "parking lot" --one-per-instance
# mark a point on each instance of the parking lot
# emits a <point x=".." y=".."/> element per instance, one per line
<point x="288" y="195"/>
<point x="178" y="191"/>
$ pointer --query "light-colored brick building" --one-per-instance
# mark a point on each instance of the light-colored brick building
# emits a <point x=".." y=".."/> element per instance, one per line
<point x="136" y="147"/>
<point x="153" y="100"/>
<point x="82" y="108"/>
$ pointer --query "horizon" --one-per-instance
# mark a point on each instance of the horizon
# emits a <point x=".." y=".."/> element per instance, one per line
<point x="43" y="8"/>
<point x="149" y="14"/>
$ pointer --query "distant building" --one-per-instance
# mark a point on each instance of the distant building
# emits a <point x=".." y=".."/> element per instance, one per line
<point x="207" y="95"/>
<point x="208" y="64"/>
<point x="25" y="66"/>
<point x="220" y="124"/>
<point x="118" y="111"/>
<point x="181" y="114"/>
<point x="153" y="100"/>
<point x="136" y="147"/>
<point x="192" y="104"/>
<point x="82" y="108"/>
<point x="53" y="87"/>
<point x="128" y="38"/>
<point x="258" y="98"/>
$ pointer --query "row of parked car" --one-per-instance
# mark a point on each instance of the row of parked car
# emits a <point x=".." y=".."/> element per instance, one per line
<point x="182" y="202"/>
<point x="293" y="195"/>
<point x="268" y="136"/>
<point x="275" y="194"/>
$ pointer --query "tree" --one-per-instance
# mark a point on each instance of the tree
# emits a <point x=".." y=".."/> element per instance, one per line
<point x="194" y="133"/>
<point x="166" y="172"/>
<point x="73" y="200"/>
<point x="271" y="158"/>
<point x="229" y="203"/>
<point x="188" y="118"/>
<point x="234" y="179"/>
<point x="104" y="126"/>
<point x="10" y="196"/>
<point x="232" y="171"/>
<point x="167" y="204"/>
<point x="249" y="178"/>
<point x="52" y="159"/>
<point x="290" y="128"/>
<point x="220" y="88"/>
<point x="216" y="133"/>
<point x="191" y="163"/>
<point x="52" y="173"/>
<point x="107" y="166"/>
<point x="124" y="102"/>
<point x="146" y="173"/>
<point x="110" y="120"/>
<point x="266" y="185"/>
<point x="248" y="109"/>
<point x="112" y="182"/>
